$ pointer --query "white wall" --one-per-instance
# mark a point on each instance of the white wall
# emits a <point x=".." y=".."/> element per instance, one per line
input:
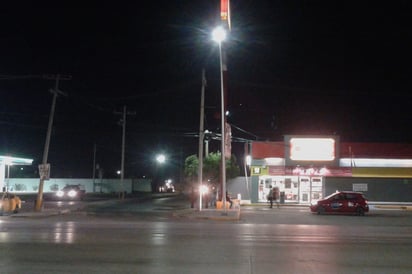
<point x="104" y="185"/>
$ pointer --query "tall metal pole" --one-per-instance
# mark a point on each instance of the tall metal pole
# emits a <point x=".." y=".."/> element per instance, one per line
<point x="123" y="124"/>
<point x="222" y="95"/>
<point x="225" y="20"/>
<point x="94" y="167"/>
<point x="201" y="137"/>
<point x="8" y="177"/>
<point x="123" y="149"/>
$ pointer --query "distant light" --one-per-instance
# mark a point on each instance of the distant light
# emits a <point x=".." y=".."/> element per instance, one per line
<point x="203" y="189"/>
<point x="72" y="193"/>
<point x="161" y="158"/>
<point x="219" y="34"/>
<point x="118" y="172"/>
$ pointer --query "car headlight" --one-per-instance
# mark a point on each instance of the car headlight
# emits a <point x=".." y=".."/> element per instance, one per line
<point x="72" y="193"/>
<point x="313" y="203"/>
<point x="59" y="193"/>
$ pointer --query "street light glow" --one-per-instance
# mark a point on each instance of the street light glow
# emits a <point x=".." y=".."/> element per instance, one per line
<point x="219" y="34"/>
<point x="161" y="158"/>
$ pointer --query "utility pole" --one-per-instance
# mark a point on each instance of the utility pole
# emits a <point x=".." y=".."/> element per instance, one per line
<point x="225" y="17"/>
<point x="201" y="137"/>
<point x="44" y="168"/>
<point x="123" y="123"/>
<point x="94" y="166"/>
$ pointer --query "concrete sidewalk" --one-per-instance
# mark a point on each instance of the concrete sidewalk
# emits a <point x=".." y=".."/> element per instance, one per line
<point x="45" y="212"/>
<point x="195" y="213"/>
<point x="192" y="213"/>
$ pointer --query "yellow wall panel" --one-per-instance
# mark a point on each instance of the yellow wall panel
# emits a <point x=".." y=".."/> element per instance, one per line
<point x="382" y="172"/>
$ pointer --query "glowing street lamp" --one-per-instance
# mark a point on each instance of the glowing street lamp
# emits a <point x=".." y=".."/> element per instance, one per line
<point x="219" y="35"/>
<point x="161" y="158"/>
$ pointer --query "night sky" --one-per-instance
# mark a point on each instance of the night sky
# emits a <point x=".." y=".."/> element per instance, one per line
<point x="294" y="67"/>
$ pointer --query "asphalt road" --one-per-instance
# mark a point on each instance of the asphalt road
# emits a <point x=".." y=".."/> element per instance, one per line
<point x="146" y="237"/>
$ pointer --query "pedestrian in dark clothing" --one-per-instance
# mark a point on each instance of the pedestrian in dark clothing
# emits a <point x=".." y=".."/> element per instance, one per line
<point x="214" y="197"/>
<point x="192" y="197"/>
<point x="229" y="200"/>
<point x="270" y="196"/>
<point x="276" y="196"/>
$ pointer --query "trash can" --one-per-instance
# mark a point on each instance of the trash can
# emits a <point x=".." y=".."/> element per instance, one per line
<point x="282" y="197"/>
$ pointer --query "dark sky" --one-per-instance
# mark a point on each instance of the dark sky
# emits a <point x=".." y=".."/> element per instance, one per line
<point x="294" y="67"/>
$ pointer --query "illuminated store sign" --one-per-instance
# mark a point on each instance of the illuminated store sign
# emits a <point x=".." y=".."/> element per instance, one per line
<point x="312" y="149"/>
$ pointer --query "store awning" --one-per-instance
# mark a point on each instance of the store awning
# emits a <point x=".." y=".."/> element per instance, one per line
<point x="8" y="160"/>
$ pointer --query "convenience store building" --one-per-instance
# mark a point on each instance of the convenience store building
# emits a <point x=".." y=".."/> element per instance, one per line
<point x="308" y="168"/>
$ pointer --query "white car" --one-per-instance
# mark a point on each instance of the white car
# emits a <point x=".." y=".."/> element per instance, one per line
<point x="71" y="192"/>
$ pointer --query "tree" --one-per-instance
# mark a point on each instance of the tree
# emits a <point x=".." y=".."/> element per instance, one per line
<point x="191" y="166"/>
<point x="211" y="167"/>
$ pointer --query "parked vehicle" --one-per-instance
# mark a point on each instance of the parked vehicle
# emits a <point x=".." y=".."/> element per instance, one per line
<point x="342" y="202"/>
<point x="71" y="192"/>
<point x="9" y="203"/>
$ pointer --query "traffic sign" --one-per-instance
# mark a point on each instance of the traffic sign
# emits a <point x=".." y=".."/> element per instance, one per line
<point x="44" y="171"/>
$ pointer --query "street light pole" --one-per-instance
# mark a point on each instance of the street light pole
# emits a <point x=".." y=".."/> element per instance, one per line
<point x="222" y="95"/>
<point x="123" y="148"/>
<point x="219" y="36"/>
<point x="201" y="137"/>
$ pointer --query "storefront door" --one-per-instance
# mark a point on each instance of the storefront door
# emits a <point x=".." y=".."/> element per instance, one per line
<point x="316" y="189"/>
<point x="304" y="190"/>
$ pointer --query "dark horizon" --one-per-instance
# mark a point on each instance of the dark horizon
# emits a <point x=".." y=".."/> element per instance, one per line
<point x="319" y="68"/>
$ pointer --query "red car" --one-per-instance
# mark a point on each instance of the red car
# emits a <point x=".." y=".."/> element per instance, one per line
<point x="342" y="202"/>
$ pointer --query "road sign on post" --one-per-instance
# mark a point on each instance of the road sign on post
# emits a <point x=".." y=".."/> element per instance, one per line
<point x="44" y="171"/>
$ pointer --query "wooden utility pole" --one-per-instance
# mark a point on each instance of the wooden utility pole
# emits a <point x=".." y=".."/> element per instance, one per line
<point x="123" y="123"/>
<point x="44" y="167"/>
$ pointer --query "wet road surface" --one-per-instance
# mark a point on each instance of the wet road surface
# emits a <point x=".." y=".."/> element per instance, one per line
<point x="288" y="240"/>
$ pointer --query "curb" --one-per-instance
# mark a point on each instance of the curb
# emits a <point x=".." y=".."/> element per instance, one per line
<point x="209" y="214"/>
<point x="398" y="207"/>
<point x="41" y="214"/>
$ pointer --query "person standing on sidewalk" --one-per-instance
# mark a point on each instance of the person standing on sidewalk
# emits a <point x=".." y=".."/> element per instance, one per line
<point x="270" y="196"/>
<point x="228" y="199"/>
<point x="276" y="196"/>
